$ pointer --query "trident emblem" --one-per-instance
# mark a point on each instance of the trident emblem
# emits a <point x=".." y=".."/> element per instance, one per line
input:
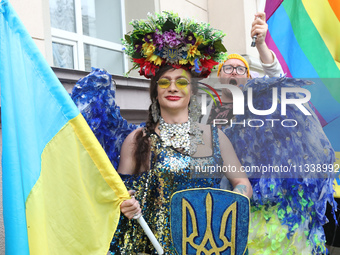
<point x="211" y="221"/>
<point x="172" y="54"/>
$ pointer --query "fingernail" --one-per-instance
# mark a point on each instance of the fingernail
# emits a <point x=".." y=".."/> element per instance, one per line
<point x="137" y="215"/>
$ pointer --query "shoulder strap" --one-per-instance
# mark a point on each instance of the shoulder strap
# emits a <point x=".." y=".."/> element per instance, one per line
<point x="215" y="142"/>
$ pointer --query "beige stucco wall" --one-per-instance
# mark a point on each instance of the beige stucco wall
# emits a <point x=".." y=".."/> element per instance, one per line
<point x="35" y="15"/>
<point x="228" y="16"/>
<point x="196" y="9"/>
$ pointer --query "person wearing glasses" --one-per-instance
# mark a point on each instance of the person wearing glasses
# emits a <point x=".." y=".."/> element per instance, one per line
<point x="160" y="159"/>
<point x="168" y="144"/>
<point x="235" y="71"/>
<point x="268" y="59"/>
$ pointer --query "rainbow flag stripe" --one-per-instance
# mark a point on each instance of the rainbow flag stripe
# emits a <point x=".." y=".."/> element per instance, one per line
<point x="304" y="36"/>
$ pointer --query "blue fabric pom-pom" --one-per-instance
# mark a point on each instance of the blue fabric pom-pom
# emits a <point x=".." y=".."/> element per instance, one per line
<point x="94" y="95"/>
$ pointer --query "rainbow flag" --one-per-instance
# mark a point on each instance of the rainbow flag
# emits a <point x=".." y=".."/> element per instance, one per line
<point x="61" y="194"/>
<point x="305" y="36"/>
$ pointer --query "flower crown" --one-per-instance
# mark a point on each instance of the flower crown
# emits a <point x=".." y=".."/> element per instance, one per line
<point x="166" y="39"/>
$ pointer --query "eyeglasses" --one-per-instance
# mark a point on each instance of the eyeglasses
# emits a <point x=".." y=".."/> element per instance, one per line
<point x="228" y="69"/>
<point x="180" y="83"/>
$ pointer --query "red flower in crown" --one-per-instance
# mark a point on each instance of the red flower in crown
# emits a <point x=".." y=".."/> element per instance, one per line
<point x="207" y="65"/>
<point x="146" y="68"/>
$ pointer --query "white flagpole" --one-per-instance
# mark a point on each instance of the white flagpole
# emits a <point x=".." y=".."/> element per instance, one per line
<point x="149" y="233"/>
<point x="260" y="6"/>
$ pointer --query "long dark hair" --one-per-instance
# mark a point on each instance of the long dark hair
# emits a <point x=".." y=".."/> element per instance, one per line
<point x="142" y="148"/>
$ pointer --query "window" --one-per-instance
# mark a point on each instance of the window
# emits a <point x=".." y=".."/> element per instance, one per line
<point x="87" y="33"/>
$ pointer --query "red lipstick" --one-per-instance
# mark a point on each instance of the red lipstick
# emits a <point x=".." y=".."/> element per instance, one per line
<point x="173" y="98"/>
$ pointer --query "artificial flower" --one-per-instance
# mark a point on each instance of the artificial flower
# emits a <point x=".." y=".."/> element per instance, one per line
<point x="146" y="68"/>
<point x="183" y="61"/>
<point x="155" y="59"/>
<point x="158" y="39"/>
<point x="148" y="49"/>
<point x="190" y="38"/>
<point x="149" y="37"/>
<point x="209" y="50"/>
<point x="208" y="63"/>
<point x="171" y="38"/>
<point x="138" y="46"/>
<point x="193" y="51"/>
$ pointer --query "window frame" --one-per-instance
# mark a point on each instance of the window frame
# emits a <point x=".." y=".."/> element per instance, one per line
<point x="78" y="39"/>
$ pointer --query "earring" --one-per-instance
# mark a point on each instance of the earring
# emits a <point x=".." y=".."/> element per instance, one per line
<point x="155" y="111"/>
<point x="194" y="109"/>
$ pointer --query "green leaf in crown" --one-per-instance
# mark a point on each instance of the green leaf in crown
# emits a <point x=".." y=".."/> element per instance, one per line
<point x="168" y="25"/>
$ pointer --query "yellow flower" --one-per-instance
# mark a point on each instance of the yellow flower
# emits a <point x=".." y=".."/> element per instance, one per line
<point x="183" y="62"/>
<point x="193" y="51"/>
<point x="155" y="59"/>
<point x="186" y="61"/>
<point x="148" y="49"/>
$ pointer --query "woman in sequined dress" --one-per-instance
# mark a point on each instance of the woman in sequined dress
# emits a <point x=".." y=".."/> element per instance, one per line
<point x="156" y="170"/>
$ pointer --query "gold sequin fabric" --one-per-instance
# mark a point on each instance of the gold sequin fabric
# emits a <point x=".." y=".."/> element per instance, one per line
<point x="169" y="173"/>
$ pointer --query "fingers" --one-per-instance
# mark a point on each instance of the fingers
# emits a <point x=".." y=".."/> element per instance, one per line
<point x="261" y="16"/>
<point x="131" y="192"/>
<point x="259" y="27"/>
<point x="259" y="30"/>
<point x="258" y="23"/>
<point x="130" y="207"/>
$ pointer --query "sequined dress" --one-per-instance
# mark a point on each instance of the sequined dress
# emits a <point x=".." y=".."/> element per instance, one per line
<point x="170" y="171"/>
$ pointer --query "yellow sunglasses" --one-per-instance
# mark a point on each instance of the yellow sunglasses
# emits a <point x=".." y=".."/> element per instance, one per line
<point x="180" y="83"/>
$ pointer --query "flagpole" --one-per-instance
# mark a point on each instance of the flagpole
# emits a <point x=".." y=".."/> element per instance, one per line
<point x="260" y="6"/>
<point x="149" y="233"/>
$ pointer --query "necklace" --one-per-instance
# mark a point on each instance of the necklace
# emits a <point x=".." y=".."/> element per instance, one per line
<point x="184" y="136"/>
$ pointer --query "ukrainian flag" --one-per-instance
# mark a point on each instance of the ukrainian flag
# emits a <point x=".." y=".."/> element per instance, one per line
<point x="61" y="194"/>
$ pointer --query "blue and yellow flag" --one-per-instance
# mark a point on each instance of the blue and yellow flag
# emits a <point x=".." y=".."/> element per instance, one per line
<point x="61" y="194"/>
